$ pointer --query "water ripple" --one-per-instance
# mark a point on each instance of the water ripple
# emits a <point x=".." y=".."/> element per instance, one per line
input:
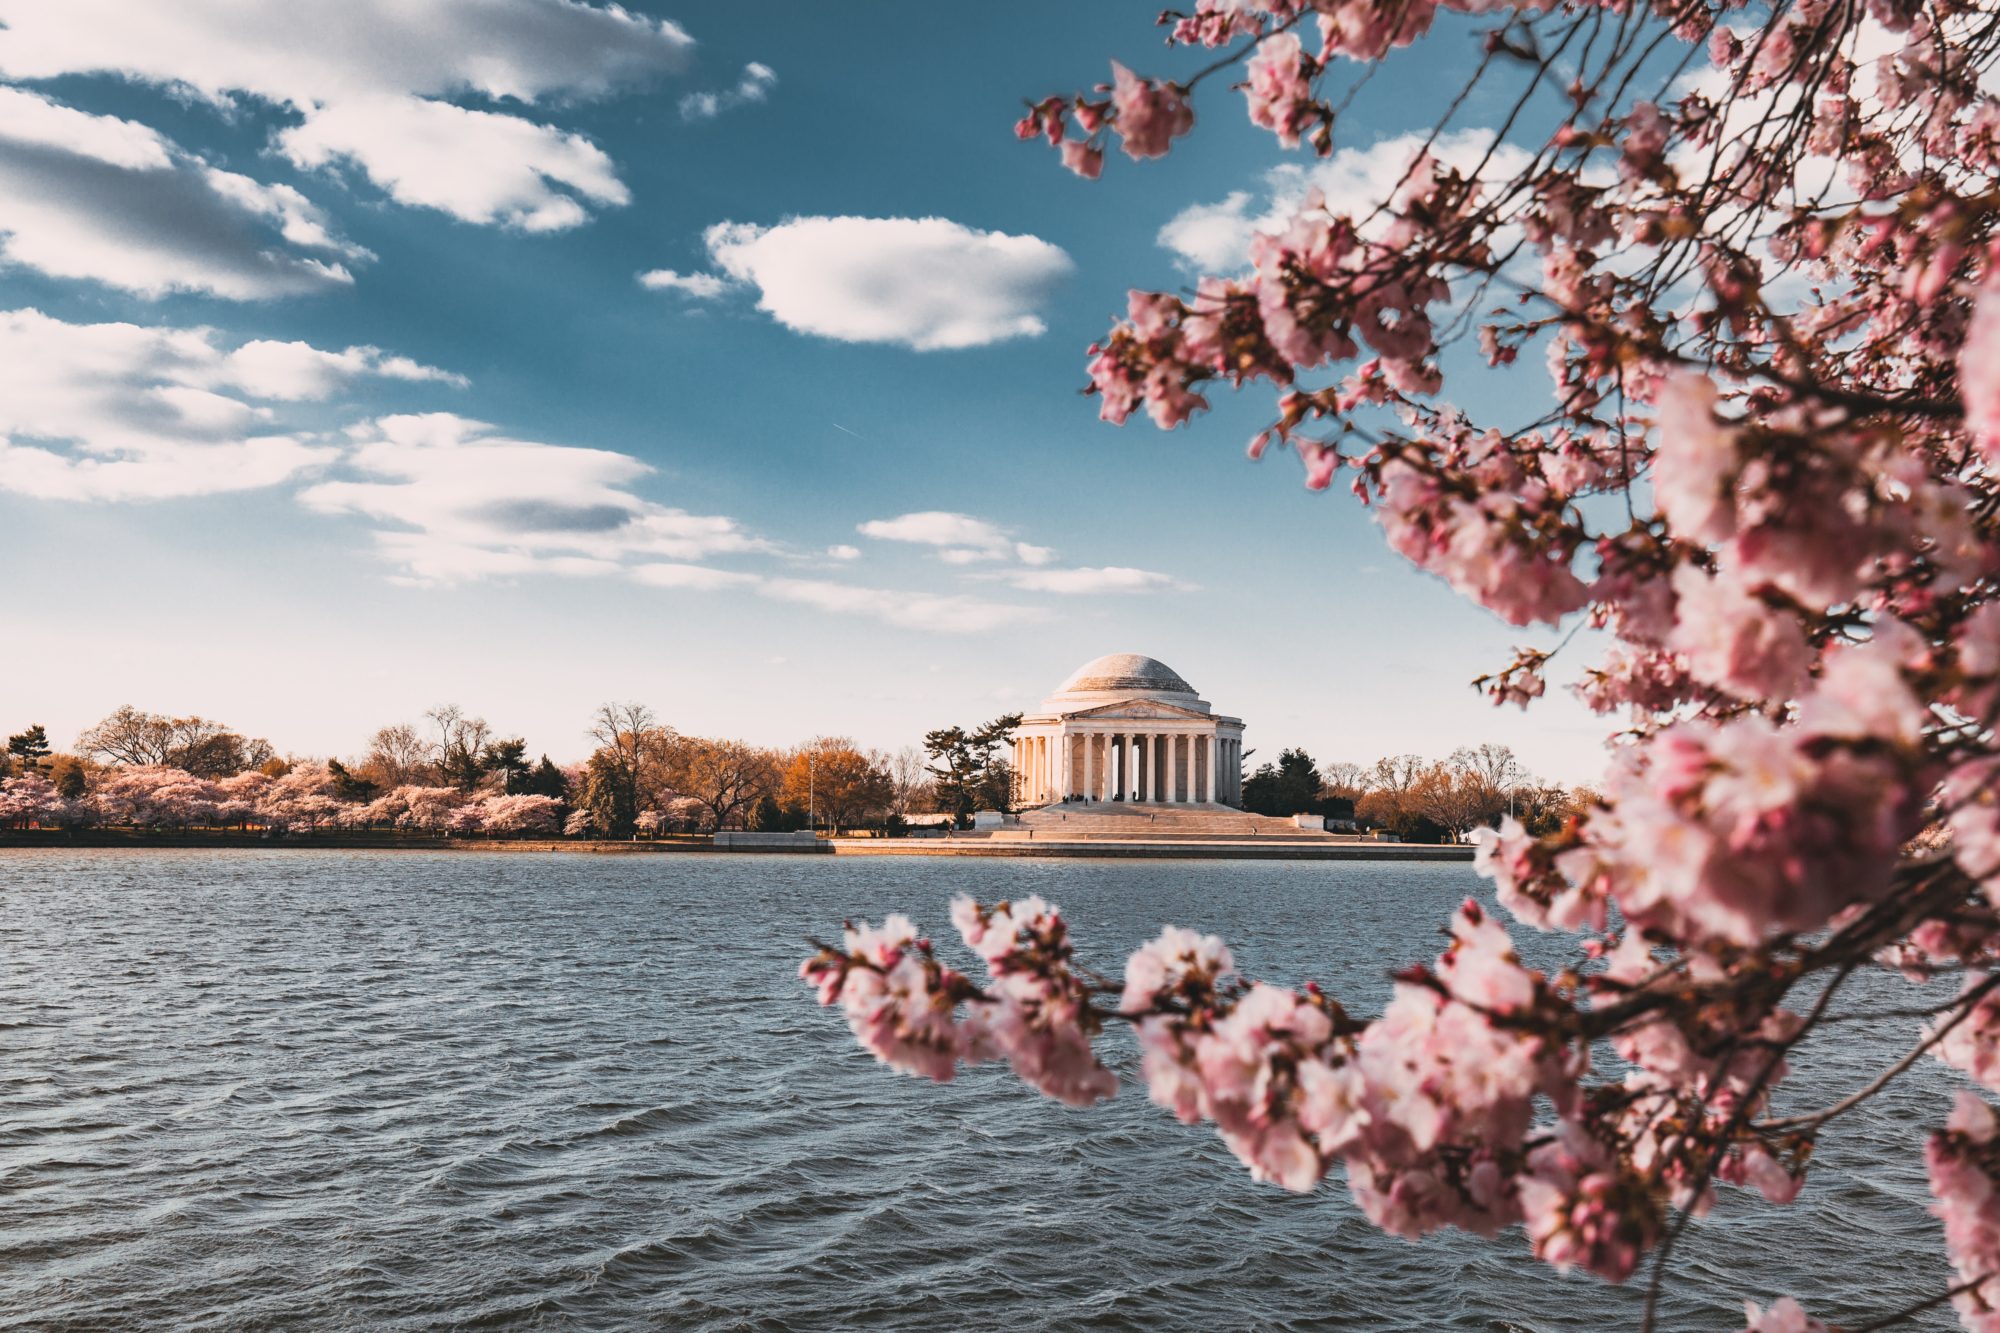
<point x="292" y="1090"/>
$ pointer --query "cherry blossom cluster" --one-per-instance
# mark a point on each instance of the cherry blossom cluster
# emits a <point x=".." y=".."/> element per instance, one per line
<point x="924" y="1018"/>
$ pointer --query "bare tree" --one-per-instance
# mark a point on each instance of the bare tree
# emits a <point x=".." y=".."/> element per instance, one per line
<point x="627" y="772"/>
<point x="1491" y="763"/>
<point x="397" y="756"/>
<point x="459" y="744"/>
<point x="196" y="745"/>
<point x="1394" y="775"/>
<point x="909" y="774"/>
<point x="1344" y="780"/>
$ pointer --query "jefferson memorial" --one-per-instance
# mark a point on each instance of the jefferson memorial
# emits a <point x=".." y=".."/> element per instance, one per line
<point x="1128" y="728"/>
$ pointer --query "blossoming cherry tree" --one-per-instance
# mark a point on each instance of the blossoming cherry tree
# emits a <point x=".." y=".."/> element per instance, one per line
<point x="1755" y="251"/>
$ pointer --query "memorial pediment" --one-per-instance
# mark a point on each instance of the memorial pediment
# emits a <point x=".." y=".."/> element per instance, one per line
<point x="1150" y="709"/>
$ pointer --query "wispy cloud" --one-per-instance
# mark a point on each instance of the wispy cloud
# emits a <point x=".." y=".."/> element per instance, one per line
<point x="960" y="539"/>
<point x="131" y="412"/>
<point x="1084" y="580"/>
<point x="941" y="613"/>
<point x="471" y="504"/>
<point x="754" y="85"/>
<point x="696" y="286"/>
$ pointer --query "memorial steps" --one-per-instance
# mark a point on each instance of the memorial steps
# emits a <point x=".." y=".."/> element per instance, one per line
<point x="1144" y="821"/>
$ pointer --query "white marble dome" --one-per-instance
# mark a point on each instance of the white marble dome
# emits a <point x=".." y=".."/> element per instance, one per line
<point x="1118" y="676"/>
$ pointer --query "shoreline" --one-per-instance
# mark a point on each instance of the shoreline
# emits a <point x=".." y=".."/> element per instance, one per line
<point x="941" y="847"/>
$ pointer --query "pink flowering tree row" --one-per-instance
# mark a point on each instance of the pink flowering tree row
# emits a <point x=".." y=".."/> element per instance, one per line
<point x="301" y="801"/>
<point x="1751" y="255"/>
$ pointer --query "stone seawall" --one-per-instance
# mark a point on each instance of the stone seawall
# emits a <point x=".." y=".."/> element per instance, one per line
<point x="1267" y="850"/>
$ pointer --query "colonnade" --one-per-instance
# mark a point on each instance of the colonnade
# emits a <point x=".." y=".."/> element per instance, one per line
<point x="1177" y="767"/>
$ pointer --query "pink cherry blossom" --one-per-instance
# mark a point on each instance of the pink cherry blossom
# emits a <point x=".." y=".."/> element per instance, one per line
<point x="1149" y="115"/>
<point x="1280" y="88"/>
<point x="1965" y="1181"/>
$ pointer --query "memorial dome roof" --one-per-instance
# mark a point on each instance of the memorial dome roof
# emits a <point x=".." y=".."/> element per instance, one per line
<point x="1125" y="671"/>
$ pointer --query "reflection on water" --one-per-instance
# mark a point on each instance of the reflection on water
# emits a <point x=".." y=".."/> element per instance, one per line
<point x="301" y="1090"/>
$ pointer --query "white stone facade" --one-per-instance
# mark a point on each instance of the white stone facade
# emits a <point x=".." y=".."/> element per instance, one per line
<point x="1127" y="727"/>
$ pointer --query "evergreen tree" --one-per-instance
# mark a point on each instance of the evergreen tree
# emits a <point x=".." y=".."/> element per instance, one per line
<point x="348" y="787"/>
<point x="544" y="779"/>
<point x="969" y="775"/>
<point x="30" y="747"/>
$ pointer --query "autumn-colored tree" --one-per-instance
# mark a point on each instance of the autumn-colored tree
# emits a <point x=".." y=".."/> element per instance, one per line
<point x="838" y="784"/>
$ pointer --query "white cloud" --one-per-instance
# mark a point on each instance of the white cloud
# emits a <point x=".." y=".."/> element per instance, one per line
<point x="128" y="412"/>
<point x="112" y="201"/>
<point x="697" y="286"/>
<point x="935" y="612"/>
<point x="478" y="166"/>
<point x="470" y="504"/>
<point x="925" y="283"/>
<point x="909" y="610"/>
<point x="754" y="85"/>
<point x="1215" y="238"/>
<point x="843" y="552"/>
<point x="1084" y="581"/>
<point x="701" y="578"/>
<point x="296" y="370"/>
<point x="368" y="76"/>
<point x="960" y="539"/>
<point x="964" y="537"/>
<point x="307" y="53"/>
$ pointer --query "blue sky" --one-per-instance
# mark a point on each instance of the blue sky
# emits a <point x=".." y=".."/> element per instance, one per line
<point x="267" y="281"/>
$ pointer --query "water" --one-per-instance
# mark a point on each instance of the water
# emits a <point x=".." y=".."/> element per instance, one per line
<point x="303" y="1090"/>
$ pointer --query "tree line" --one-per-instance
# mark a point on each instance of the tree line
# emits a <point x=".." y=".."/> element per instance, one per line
<point x="454" y="773"/>
<point x="1417" y="799"/>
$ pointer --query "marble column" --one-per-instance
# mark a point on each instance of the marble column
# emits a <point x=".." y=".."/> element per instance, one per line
<point x="1214" y="766"/>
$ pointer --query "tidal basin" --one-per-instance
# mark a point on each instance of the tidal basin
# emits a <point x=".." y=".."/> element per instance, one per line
<point x="293" y="1089"/>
